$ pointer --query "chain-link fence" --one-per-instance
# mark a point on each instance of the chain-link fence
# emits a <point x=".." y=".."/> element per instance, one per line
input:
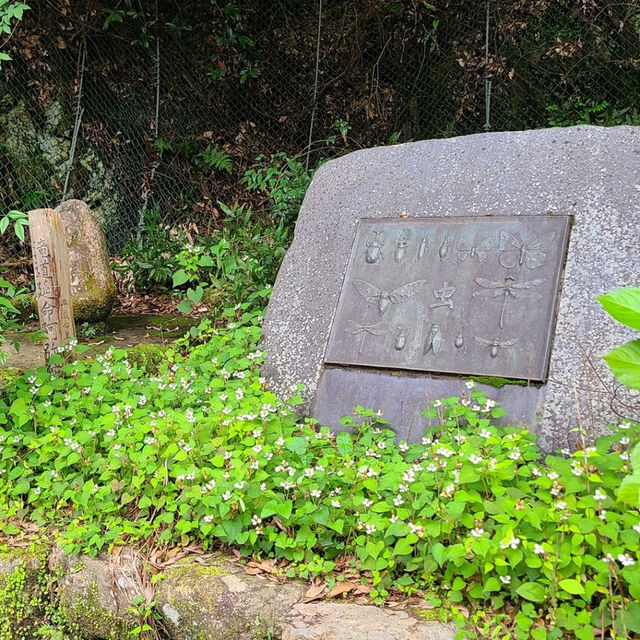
<point x="154" y="110"/>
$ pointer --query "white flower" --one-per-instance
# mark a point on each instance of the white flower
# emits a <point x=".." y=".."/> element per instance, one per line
<point x="226" y="495"/>
<point x="489" y="404"/>
<point x="315" y="493"/>
<point x="505" y="579"/>
<point x="335" y="504"/>
<point x="515" y="454"/>
<point x="475" y="459"/>
<point x="511" y="542"/>
<point x="367" y="503"/>
<point x="208" y="519"/>
<point x="553" y="475"/>
<point x="469" y="384"/>
<point x="255" y="519"/>
<point x="404" y="447"/>
<point x="624" y="425"/>
<point x="239" y="394"/>
<point x="477" y="533"/>
<point x="370" y="528"/>
<point x="561" y="505"/>
<point x="415" y="528"/>
<point x="636" y="527"/>
<point x="485" y="433"/>
<point x="398" y="500"/>
<point x="603" y="515"/>
<point x="538" y="548"/>
<point x="625" y="441"/>
<point x="280" y="442"/>
<point x="625" y="560"/>
<point x="599" y="495"/>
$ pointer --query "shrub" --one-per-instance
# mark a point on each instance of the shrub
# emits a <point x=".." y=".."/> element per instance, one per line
<point x="203" y="452"/>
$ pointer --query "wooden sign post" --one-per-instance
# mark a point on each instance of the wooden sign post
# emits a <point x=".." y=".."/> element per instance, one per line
<point x="53" y="280"/>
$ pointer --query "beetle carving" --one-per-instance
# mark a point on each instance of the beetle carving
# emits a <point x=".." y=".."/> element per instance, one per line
<point x="374" y="247"/>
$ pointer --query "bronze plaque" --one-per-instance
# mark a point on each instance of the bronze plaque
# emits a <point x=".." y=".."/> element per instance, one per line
<point x="468" y="295"/>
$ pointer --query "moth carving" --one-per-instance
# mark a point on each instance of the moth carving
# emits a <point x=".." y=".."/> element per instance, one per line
<point x="374" y="295"/>
<point x="513" y="250"/>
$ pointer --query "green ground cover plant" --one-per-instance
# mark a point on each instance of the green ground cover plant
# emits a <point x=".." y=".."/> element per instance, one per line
<point x="106" y="454"/>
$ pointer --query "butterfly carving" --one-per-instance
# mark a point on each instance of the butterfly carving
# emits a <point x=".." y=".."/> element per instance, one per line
<point x="513" y="250"/>
<point x="471" y="251"/>
<point x="373" y="294"/>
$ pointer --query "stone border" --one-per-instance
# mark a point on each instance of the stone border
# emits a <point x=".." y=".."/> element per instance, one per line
<point x="210" y="598"/>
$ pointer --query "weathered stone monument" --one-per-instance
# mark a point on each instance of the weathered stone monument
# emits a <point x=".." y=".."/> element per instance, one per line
<point x="92" y="283"/>
<point x="416" y="267"/>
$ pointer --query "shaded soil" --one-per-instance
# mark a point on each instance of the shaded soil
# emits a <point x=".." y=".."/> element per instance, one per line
<point x="121" y="331"/>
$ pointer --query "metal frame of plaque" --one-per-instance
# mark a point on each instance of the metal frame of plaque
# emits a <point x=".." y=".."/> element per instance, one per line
<point x="466" y="295"/>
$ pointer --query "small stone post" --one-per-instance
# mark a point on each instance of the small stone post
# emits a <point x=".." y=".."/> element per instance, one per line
<point x="53" y="282"/>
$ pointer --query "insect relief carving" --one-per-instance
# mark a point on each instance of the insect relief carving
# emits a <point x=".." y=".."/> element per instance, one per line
<point x="401" y="245"/>
<point x="472" y="295"/>
<point x="374" y="295"/>
<point x="434" y="341"/>
<point x="374" y="247"/>
<point x="477" y="250"/>
<point x="509" y="289"/>
<point x="513" y="250"/>
<point x="361" y="331"/>
<point x="495" y="344"/>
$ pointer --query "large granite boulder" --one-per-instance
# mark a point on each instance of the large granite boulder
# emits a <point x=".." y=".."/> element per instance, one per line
<point x="587" y="173"/>
<point x="92" y="284"/>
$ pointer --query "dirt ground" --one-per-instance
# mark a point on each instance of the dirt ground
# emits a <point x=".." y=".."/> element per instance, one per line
<point x="122" y="331"/>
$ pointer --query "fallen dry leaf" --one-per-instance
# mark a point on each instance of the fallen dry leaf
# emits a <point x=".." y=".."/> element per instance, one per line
<point x="340" y="588"/>
<point x="314" y="592"/>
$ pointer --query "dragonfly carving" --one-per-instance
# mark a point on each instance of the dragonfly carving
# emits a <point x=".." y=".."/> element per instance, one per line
<point x="373" y="294"/>
<point x="361" y="331"/>
<point x="513" y="250"/>
<point x="509" y="289"/>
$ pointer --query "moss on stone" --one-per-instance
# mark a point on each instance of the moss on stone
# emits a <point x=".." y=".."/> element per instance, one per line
<point x="147" y="357"/>
<point x="88" y="619"/>
<point x="95" y="306"/>
<point x="8" y="378"/>
<point x="437" y="614"/>
<point x="24" y="601"/>
<point x="497" y="382"/>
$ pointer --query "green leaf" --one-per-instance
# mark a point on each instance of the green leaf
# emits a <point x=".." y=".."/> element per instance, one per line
<point x="180" y="277"/>
<point x="344" y="443"/>
<point x="571" y="586"/>
<point x="625" y="363"/>
<point x="439" y="553"/>
<point x="195" y="295"/>
<point x="185" y="306"/>
<point x="624" y="306"/>
<point x="403" y="547"/>
<point x="629" y="491"/>
<point x="533" y="591"/>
